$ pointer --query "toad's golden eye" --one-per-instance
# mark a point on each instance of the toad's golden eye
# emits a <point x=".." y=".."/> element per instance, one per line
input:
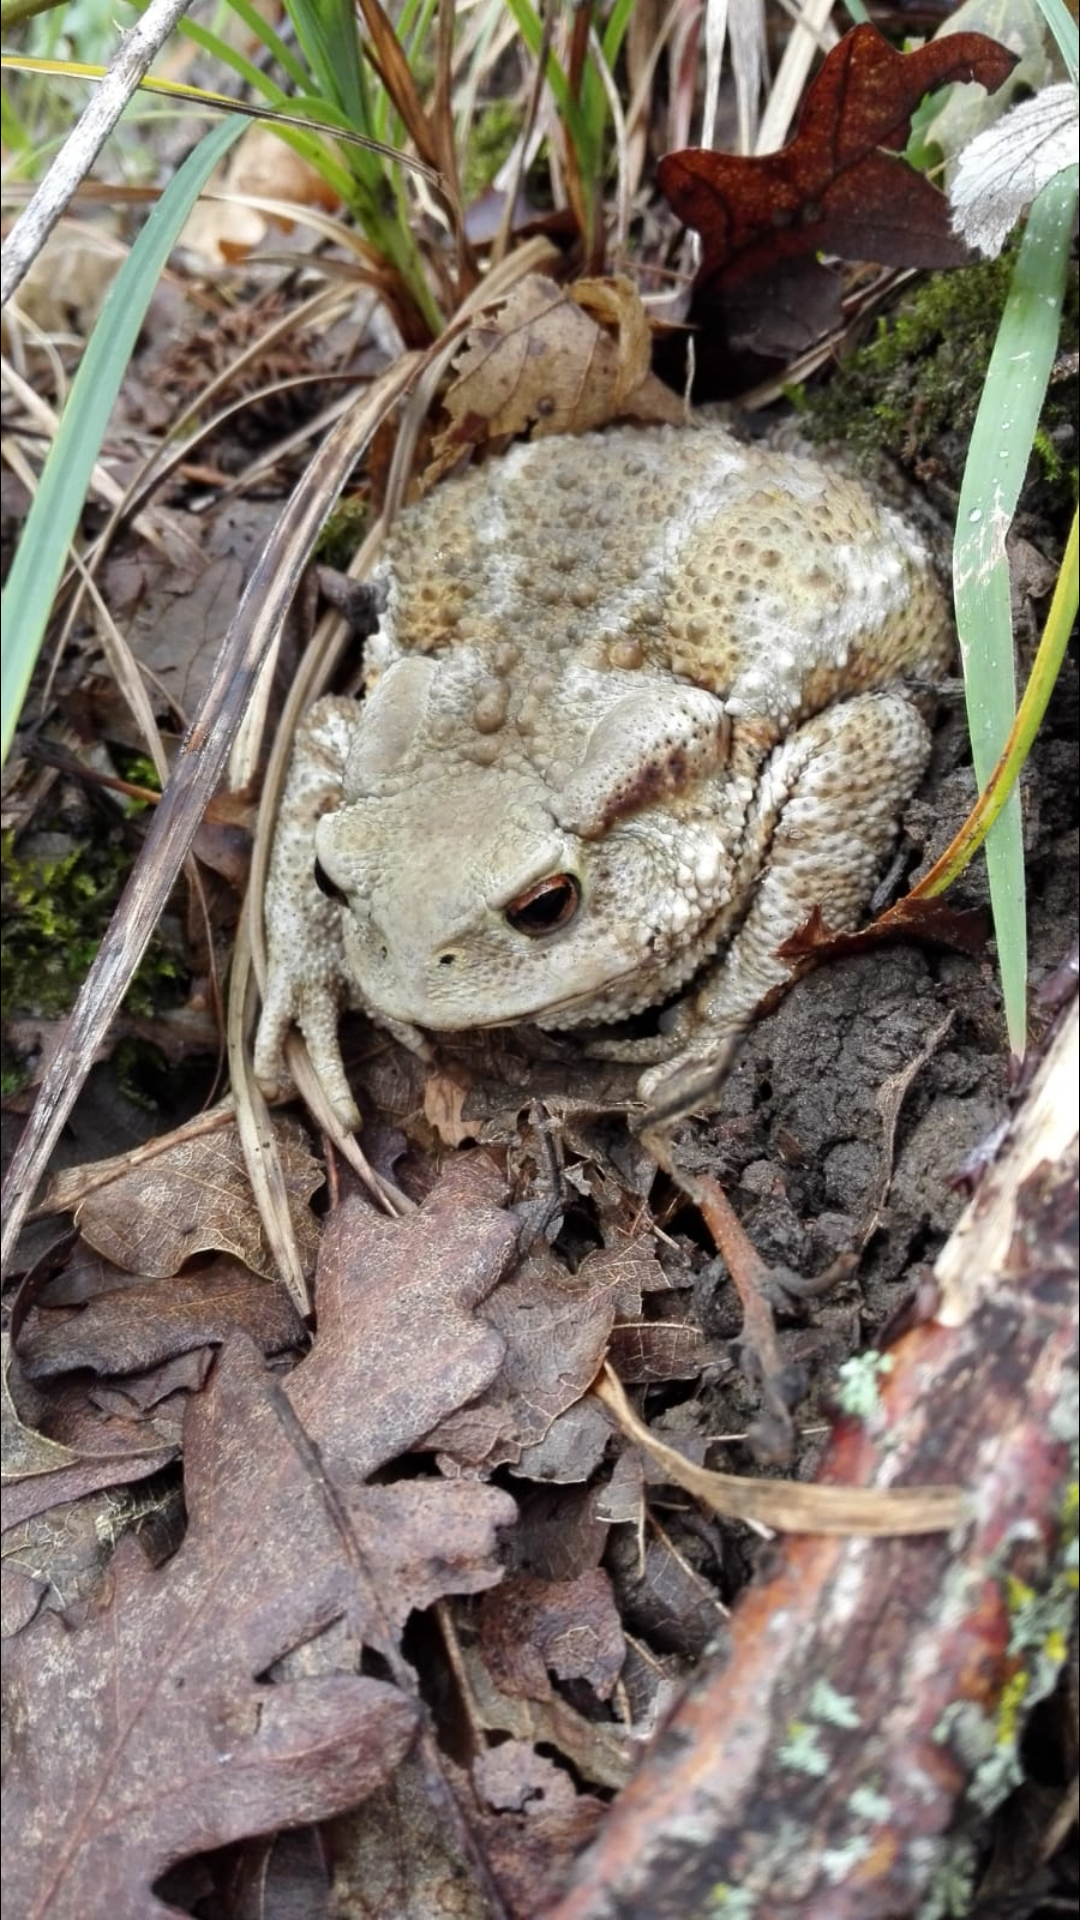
<point x="551" y="903"/>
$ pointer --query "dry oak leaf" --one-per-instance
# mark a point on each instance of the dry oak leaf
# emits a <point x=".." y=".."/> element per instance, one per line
<point x="915" y="917"/>
<point x="839" y="187"/>
<point x="530" y="1627"/>
<point x="191" y="1198"/>
<point x="400" y="1345"/>
<point x="549" y="361"/>
<point x="39" y="1473"/>
<point x="428" y="1538"/>
<point x="137" y="1327"/>
<point x="554" y="1327"/>
<point x="532" y="1822"/>
<point x="147" y="1734"/>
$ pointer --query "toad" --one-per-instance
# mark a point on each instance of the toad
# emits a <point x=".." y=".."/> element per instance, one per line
<point x="639" y="701"/>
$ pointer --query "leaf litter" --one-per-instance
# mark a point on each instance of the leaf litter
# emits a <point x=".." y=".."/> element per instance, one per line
<point x="429" y="1487"/>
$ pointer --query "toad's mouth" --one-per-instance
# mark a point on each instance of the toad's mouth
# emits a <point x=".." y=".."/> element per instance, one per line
<point x="619" y="994"/>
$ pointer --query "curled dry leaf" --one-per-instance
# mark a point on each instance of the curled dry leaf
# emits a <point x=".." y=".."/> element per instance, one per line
<point x="26" y="1454"/>
<point x="549" y="361"/>
<point x="191" y="1197"/>
<point x="39" y="1473"/>
<point x="134" y="1328"/>
<point x="840" y="187"/>
<point x="788" y="1505"/>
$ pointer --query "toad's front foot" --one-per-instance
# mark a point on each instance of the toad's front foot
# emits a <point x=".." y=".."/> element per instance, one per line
<point x="314" y="1006"/>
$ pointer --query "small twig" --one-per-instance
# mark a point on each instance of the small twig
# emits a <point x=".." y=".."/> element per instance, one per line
<point x="85" y="141"/>
<point x="773" y="1434"/>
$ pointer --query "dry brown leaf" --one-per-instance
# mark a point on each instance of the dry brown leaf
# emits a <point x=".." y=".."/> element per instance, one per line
<point x="191" y="1198"/>
<point x="25" y="1453"/>
<point x="571" y="1449"/>
<point x="400" y="1344"/>
<point x="912" y="918"/>
<point x="663" y="1595"/>
<point x="530" y="1628"/>
<point x="555" y="1327"/>
<point x="532" y="1823"/>
<point x="444" y="1100"/>
<point x="597" y="1749"/>
<point x="428" y="1539"/>
<point x="560" y="1533"/>
<point x="647" y="1351"/>
<point x="60" y="1558"/>
<point x="148" y="1733"/>
<point x="395" y="1857"/>
<point x="39" y="1473"/>
<point x="138" y="1327"/>
<point x="548" y="361"/>
<point x="260" y="165"/>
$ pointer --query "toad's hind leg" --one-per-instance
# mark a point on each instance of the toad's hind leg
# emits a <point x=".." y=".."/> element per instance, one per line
<point x="824" y="821"/>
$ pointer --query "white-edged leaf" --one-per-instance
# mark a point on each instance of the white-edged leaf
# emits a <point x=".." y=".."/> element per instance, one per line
<point x="1005" y="168"/>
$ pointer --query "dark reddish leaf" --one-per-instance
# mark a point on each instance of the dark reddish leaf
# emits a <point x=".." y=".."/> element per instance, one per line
<point x="838" y="187"/>
<point x="933" y="921"/>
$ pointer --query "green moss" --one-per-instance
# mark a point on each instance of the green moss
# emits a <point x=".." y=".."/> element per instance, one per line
<point x="913" y="389"/>
<point x="343" y="532"/>
<point x="491" y="137"/>
<point x="58" y="895"/>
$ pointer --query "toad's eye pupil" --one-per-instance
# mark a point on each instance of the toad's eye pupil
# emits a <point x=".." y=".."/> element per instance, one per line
<point x="326" y="885"/>
<point x="549" y="904"/>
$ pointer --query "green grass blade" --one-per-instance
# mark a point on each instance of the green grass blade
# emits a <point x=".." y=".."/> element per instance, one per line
<point x="1029" y="717"/>
<point x="997" y="461"/>
<point x="615" y="30"/>
<point x="273" y="42"/>
<point x="54" y="515"/>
